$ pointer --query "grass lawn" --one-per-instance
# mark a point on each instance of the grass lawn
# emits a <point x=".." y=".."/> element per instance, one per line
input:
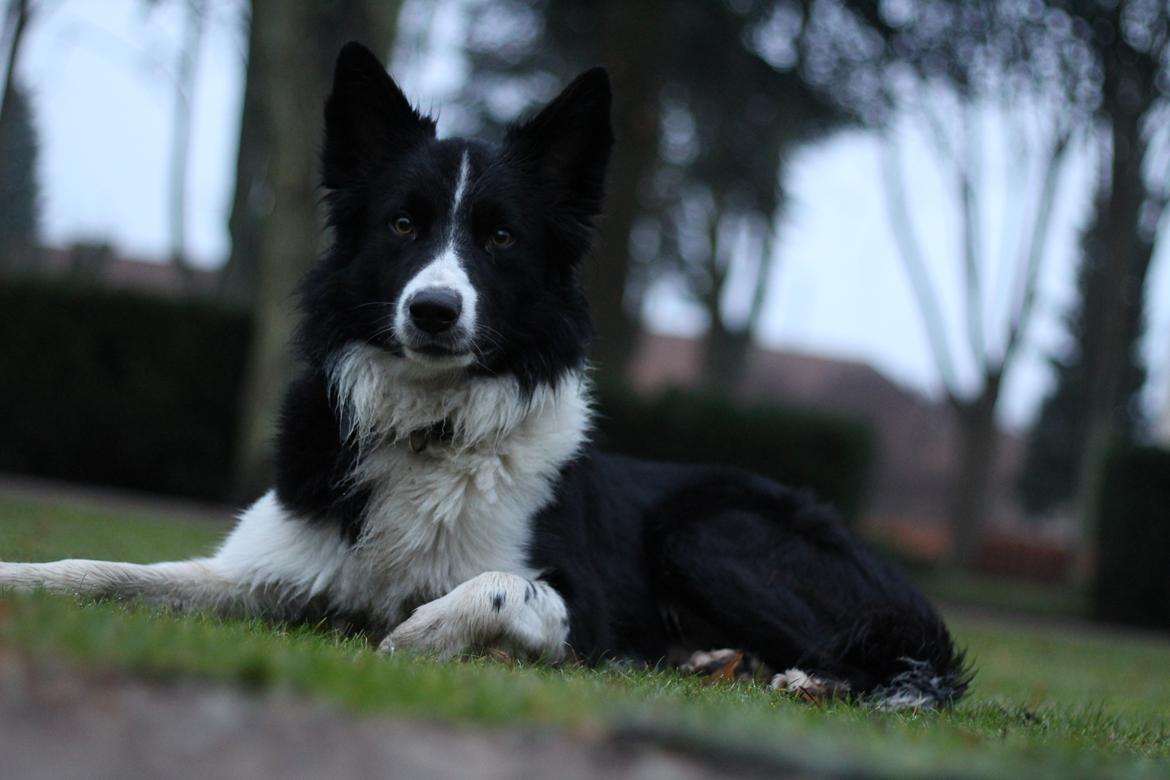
<point x="976" y="590"/>
<point x="1053" y="703"/>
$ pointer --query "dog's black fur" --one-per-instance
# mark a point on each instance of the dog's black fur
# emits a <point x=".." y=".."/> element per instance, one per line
<point x="646" y="555"/>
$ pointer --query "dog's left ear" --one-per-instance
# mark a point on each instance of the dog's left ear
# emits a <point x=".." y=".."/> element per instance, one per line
<point x="568" y="143"/>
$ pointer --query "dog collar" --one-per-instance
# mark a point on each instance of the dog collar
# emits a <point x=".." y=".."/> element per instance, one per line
<point x="421" y="438"/>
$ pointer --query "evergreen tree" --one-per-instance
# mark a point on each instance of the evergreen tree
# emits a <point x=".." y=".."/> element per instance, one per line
<point x="1094" y="402"/>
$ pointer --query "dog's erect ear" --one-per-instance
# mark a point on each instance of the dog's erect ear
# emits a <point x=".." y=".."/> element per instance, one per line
<point x="366" y="116"/>
<point x="568" y="142"/>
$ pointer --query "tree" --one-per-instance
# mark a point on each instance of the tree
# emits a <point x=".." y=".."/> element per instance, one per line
<point x="992" y="350"/>
<point x="1050" y="474"/>
<point x="1094" y="402"/>
<point x="292" y="47"/>
<point x="19" y="188"/>
<point x="17" y="15"/>
<point x="19" y="192"/>
<point x="967" y="59"/>
<point x="251" y="198"/>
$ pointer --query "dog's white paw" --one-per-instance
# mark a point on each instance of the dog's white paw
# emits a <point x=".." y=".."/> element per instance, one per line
<point x="431" y="630"/>
<point x="710" y="661"/>
<point x="807" y="686"/>
<point x="493" y="610"/>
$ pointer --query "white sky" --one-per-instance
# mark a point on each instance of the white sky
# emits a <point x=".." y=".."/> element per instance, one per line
<point x="100" y="75"/>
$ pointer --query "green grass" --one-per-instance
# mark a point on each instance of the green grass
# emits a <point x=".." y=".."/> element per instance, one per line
<point x="1035" y="598"/>
<point x="36" y="531"/>
<point x="1045" y="703"/>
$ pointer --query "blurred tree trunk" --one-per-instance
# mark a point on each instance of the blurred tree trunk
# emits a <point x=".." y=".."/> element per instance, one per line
<point x="16" y="23"/>
<point x="19" y="191"/>
<point x="1094" y="403"/>
<point x="972" y="496"/>
<point x="725" y="357"/>
<point x="632" y="46"/>
<point x="1113" y="306"/>
<point x="251" y="199"/>
<point x="19" y="188"/>
<point x="296" y="43"/>
<point x="727" y="350"/>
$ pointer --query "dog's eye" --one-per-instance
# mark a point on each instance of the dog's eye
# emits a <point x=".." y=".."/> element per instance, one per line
<point x="501" y="238"/>
<point x="403" y="225"/>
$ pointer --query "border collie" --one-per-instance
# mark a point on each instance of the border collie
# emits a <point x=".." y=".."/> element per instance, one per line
<point x="435" y="478"/>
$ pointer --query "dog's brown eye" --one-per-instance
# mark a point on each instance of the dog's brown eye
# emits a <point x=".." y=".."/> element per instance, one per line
<point x="501" y="238"/>
<point x="403" y="225"/>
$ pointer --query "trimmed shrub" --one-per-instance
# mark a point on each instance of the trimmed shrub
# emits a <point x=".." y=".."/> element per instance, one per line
<point x="1133" y="525"/>
<point x="828" y="455"/>
<point x="119" y="388"/>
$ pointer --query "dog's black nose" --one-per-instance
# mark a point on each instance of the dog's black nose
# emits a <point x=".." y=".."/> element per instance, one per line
<point x="435" y="309"/>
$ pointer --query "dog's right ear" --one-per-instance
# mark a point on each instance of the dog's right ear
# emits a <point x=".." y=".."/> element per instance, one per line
<point x="568" y="142"/>
<point x="366" y="116"/>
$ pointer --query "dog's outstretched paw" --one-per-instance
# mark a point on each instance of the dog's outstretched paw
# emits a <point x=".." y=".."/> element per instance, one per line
<point x="429" y="631"/>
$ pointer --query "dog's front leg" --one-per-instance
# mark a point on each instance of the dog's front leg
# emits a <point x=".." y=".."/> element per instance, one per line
<point x="494" y="609"/>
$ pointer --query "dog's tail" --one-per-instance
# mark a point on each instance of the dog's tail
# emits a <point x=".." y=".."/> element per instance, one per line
<point x="909" y="660"/>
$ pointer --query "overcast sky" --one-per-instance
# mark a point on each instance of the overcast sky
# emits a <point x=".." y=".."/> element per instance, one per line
<point x="100" y="72"/>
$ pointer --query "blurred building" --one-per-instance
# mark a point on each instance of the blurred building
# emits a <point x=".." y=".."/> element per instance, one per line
<point x="100" y="264"/>
<point x="917" y="443"/>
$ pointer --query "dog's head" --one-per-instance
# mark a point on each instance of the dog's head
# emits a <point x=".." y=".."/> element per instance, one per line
<point x="456" y="256"/>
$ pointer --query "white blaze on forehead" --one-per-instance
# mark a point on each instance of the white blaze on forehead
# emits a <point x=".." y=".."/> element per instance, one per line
<point x="446" y="270"/>
<point x="460" y="187"/>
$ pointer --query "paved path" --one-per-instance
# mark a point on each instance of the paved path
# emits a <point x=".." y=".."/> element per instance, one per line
<point x="58" y="722"/>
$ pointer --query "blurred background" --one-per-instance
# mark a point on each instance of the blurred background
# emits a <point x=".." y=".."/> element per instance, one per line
<point x="907" y="253"/>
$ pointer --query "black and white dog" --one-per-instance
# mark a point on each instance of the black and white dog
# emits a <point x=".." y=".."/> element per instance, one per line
<point x="435" y="478"/>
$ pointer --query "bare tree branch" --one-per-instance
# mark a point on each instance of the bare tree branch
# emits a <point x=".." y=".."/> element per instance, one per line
<point x="913" y="260"/>
<point x="973" y="287"/>
<point x="716" y="269"/>
<point x="1015" y="177"/>
<point x="763" y="275"/>
<point x="1037" y="245"/>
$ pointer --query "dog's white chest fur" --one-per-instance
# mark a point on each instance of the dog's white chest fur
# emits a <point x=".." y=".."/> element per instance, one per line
<point x="437" y="517"/>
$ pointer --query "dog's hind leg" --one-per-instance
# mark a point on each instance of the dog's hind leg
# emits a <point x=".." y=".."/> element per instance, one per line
<point x="270" y="565"/>
<point x="779" y="577"/>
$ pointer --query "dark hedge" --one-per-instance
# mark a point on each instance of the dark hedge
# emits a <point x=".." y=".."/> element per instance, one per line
<point x="126" y="389"/>
<point x="1133" y="526"/>
<point x="119" y="388"/>
<point x="828" y="455"/>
